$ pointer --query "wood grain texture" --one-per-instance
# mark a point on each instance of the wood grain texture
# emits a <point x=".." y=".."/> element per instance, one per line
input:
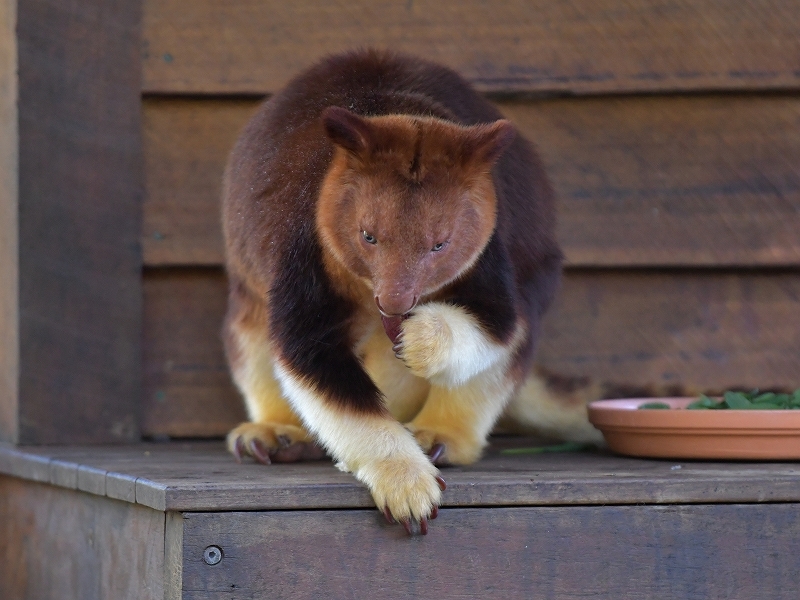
<point x="173" y="556"/>
<point x="672" y="181"/>
<point x="641" y="181"/>
<point x="704" y="331"/>
<point x="200" y="476"/>
<point x="187" y="388"/>
<point x="688" y="552"/>
<point x="544" y="46"/>
<point x="79" y="221"/>
<point x="9" y="258"/>
<point x="186" y="145"/>
<point x="66" y="545"/>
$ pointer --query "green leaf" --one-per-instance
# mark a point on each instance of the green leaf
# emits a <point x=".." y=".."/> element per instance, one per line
<point x="737" y="401"/>
<point x="768" y="397"/>
<point x="704" y="403"/>
<point x="764" y="406"/>
<point x="654" y="405"/>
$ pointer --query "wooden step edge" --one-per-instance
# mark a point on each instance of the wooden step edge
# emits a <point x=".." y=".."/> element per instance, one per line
<point x="590" y="479"/>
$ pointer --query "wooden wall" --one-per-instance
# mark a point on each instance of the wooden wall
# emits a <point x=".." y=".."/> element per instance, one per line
<point x="71" y="185"/>
<point x="9" y="357"/>
<point x="61" y="543"/>
<point x="671" y="132"/>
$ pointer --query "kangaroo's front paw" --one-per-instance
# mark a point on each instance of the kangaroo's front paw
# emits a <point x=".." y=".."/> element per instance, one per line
<point x="272" y="442"/>
<point x="425" y="343"/>
<point x="447" y="447"/>
<point x="446" y="345"/>
<point x="405" y="489"/>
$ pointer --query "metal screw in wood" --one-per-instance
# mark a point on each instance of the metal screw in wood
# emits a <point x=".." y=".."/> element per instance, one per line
<point x="212" y="555"/>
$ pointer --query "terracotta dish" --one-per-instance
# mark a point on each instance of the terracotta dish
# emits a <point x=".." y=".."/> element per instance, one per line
<point x="680" y="433"/>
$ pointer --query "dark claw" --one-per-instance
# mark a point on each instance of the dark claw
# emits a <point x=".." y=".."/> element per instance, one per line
<point x="423" y="526"/>
<point x="388" y="515"/>
<point x="434" y="512"/>
<point x="436" y="452"/>
<point x="407" y="525"/>
<point x="238" y="449"/>
<point x="442" y="484"/>
<point x="291" y="453"/>
<point x="259" y="452"/>
<point x="284" y="441"/>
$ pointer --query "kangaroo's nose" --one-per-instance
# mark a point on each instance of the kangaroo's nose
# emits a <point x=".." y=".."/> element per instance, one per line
<point x="396" y="304"/>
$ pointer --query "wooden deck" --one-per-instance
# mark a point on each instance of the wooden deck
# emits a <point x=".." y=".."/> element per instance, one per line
<point x="551" y="525"/>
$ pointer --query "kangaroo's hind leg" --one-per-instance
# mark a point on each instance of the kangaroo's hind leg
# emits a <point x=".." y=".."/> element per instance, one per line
<point x="274" y="432"/>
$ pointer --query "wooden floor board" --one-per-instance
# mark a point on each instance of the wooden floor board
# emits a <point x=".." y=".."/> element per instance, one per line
<point x="203" y="476"/>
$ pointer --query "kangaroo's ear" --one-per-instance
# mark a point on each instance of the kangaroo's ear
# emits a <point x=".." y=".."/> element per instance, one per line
<point x="485" y="143"/>
<point x="348" y="130"/>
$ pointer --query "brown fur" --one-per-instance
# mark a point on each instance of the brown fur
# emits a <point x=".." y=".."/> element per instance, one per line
<point x="415" y="183"/>
<point x="378" y="184"/>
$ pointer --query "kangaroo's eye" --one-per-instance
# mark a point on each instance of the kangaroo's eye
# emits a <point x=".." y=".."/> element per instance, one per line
<point x="438" y="247"/>
<point x="369" y="238"/>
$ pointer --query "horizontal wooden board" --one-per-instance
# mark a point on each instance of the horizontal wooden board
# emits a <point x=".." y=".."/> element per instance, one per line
<point x="187" y="389"/>
<point x="584" y="46"/>
<point x="64" y="545"/>
<point x="204" y="476"/>
<point x="632" y="552"/>
<point x="699" y="330"/>
<point x="659" y="181"/>
<point x="186" y="145"/>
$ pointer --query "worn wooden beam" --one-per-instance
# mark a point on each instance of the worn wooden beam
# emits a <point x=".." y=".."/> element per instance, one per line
<point x="587" y="46"/>
<point x="199" y="476"/>
<point x="696" y="330"/>
<point x="631" y="552"/>
<point x="9" y="276"/>
<point x="77" y="312"/>
<point x="66" y="545"/>
<point x="577" y="522"/>
<point x="694" y="181"/>
<point x="187" y="388"/>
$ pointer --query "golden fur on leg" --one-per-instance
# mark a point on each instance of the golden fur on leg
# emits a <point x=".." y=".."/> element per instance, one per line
<point x="461" y="418"/>
<point x="445" y="344"/>
<point x="404" y="393"/>
<point x="273" y="423"/>
<point x="378" y="450"/>
<point x="553" y="406"/>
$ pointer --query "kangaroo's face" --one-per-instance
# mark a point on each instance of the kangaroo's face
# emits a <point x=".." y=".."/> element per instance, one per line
<point x="408" y="204"/>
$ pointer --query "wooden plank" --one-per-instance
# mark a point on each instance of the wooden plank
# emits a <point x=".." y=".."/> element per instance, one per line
<point x="187" y="389"/>
<point x="121" y="487"/>
<point x="92" y="480"/>
<point x="585" y="46"/>
<point x="678" y="181"/>
<point x="79" y="221"/>
<point x="67" y="545"/>
<point x="687" y="552"/>
<point x="173" y="556"/>
<point x="699" y="330"/>
<point x="641" y="181"/>
<point x="9" y="275"/>
<point x="203" y="476"/>
<point x="702" y="331"/>
<point x="186" y="145"/>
